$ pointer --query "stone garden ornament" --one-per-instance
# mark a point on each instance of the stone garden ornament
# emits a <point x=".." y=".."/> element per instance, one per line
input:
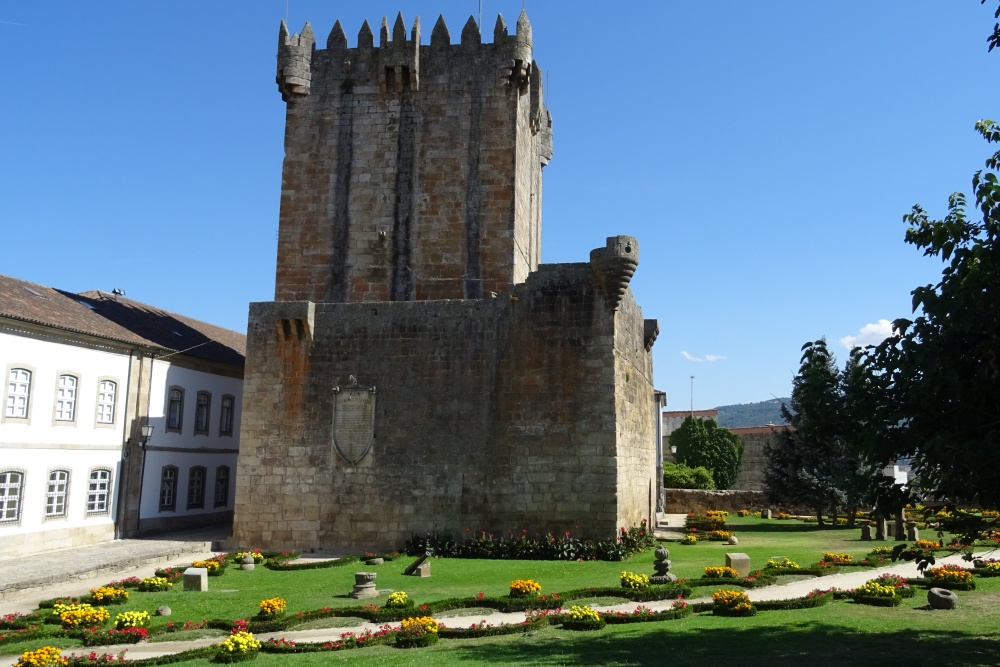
<point x="353" y="420"/>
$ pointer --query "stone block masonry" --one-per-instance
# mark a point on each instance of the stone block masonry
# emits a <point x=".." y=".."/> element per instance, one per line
<point x="489" y="414"/>
<point x="419" y="369"/>
<point x="411" y="172"/>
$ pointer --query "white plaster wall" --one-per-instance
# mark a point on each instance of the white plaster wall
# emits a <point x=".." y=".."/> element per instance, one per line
<point x="210" y="450"/>
<point x="42" y="445"/>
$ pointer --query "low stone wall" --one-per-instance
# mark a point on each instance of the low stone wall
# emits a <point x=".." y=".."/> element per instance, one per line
<point x="682" y="501"/>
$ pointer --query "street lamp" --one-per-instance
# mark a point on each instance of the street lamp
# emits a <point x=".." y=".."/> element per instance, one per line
<point x="147" y="433"/>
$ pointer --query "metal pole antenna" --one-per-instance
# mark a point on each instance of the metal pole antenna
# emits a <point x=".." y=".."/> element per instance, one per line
<point x="692" y="396"/>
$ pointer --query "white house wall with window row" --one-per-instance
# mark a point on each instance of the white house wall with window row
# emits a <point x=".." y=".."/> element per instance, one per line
<point x="82" y="374"/>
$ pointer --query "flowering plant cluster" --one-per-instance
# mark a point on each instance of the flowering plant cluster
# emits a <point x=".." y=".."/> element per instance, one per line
<point x="926" y="544"/>
<point x="95" y="658"/>
<point x="719" y="535"/>
<point x="634" y="581"/>
<point x="132" y="619"/>
<point x="524" y="587"/>
<point x="582" y="617"/>
<point x="256" y="554"/>
<point x="47" y="656"/>
<point x="720" y="572"/>
<point x="419" y="625"/>
<point x="679" y="603"/>
<point x="992" y="567"/>
<point x="731" y="603"/>
<point x="239" y="646"/>
<point x="154" y="584"/>
<point x="783" y="565"/>
<point x="951" y="574"/>
<point x="95" y="637"/>
<point x="742" y="513"/>
<point x="75" y="615"/>
<point x="127" y="582"/>
<point x="783" y="516"/>
<point x="108" y="595"/>
<point x="211" y="564"/>
<point x="272" y="606"/>
<point x="689" y="539"/>
<point x="873" y="588"/>
<point x="881" y="551"/>
<point x="398" y="599"/>
<point x="837" y="558"/>
<point x="716" y="515"/>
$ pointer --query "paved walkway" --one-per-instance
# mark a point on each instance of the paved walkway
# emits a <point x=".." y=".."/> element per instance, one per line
<point x="24" y="581"/>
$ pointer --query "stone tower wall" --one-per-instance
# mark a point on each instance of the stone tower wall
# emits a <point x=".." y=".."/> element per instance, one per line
<point x="411" y="172"/>
<point x="490" y="414"/>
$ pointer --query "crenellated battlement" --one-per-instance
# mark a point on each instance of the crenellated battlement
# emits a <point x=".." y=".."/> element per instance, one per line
<point x="397" y="62"/>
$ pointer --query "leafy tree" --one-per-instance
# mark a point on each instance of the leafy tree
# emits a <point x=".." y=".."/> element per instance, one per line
<point x="942" y="371"/>
<point x="806" y="465"/>
<point x="680" y="476"/>
<point x="702" y="442"/>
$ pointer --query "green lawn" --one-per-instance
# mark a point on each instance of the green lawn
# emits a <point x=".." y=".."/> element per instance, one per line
<point x="840" y="633"/>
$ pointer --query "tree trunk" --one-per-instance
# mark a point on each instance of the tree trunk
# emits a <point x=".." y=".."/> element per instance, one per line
<point x="852" y="514"/>
<point x="819" y="518"/>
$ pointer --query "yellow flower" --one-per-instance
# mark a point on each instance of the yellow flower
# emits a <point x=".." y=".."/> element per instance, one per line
<point x="47" y="656"/>
<point x="419" y="625"/>
<point x="397" y="599"/>
<point x="524" y="587"/>
<point x="721" y="571"/>
<point x="634" y="581"/>
<point x="272" y="606"/>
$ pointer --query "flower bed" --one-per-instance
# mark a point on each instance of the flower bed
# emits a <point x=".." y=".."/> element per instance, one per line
<point x="816" y="598"/>
<point x="643" y="614"/>
<point x="720" y="572"/>
<point x="520" y="588"/>
<point x="95" y="637"/>
<point x="989" y="568"/>
<point x="952" y="577"/>
<point x="416" y="632"/>
<point x="690" y="538"/>
<point x="14" y="635"/>
<point x="399" y="600"/>
<point x="718" y="535"/>
<point x="271" y="608"/>
<point x="731" y="603"/>
<point x="582" y="618"/>
<point x="876" y="594"/>
<point x="520" y="546"/>
<point x="75" y="615"/>
<point x="47" y="656"/>
<point x="837" y="558"/>
<point x="106" y="595"/>
<point x="237" y="647"/>
<point x="783" y="566"/>
<point x="154" y="585"/>
<point x="634" y="581"/>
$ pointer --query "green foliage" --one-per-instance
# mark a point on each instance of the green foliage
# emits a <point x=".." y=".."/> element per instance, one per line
<point x="521" y="546"/>
<point x="702" y="442"/>
<point x="817" y="462"/>
<point x="942" y="372"/>
<point x="680" y="476"/>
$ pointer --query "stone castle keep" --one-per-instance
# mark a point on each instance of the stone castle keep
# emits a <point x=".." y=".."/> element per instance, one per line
<point x="419" y="369"/>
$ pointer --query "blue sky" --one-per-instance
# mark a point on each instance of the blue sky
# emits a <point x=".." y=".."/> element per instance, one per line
<point x="763" y="153"/>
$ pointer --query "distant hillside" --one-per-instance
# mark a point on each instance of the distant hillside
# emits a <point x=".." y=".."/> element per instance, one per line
<point x="752" y="414"/>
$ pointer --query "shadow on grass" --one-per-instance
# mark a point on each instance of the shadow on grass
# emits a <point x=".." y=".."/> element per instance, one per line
<point x="814" y="643"/>
<point x="790" y="527"/>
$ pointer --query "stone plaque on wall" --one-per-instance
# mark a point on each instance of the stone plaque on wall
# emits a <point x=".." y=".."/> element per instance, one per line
<point x="353" y="421"/>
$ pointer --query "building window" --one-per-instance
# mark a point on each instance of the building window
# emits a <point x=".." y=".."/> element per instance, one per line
<point x="99" y="491"/>
<point x="201" y="412"/>
<point x="107" y="391"/>
<point x="11" y="486"/>
<point x="18" y="393"/>
<point x="175" y="409"/>
<point x="55" y="495"/>
<point x="226" y="417"/>
<point x="196" y="488"/>
<point x="66" y="398"/>
<point x="168" y="489"/>
<point x="222" y="486"/>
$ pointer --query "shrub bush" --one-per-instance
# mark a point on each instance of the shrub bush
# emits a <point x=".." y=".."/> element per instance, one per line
<point x="680" y="476"/>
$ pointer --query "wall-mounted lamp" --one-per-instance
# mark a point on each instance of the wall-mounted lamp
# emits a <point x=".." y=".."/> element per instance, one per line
<point x="147" y="433"/>
<point x="673" y="449"/>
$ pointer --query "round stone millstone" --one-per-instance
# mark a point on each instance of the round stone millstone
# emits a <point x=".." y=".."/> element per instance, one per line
<point x="942" y="598"/>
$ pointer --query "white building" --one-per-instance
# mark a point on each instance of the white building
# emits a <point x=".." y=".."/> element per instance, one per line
<point x="83" y="374"/>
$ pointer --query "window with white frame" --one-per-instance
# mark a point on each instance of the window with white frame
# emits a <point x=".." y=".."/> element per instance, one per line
<point x="168" y="489"/>
<point x="99" y="491"/>
<point x="226" y="416"/>
<point x="66" y="398"/>
<point x="175" y="409"/>
<point x="11" y="487"/>
<point x="18" y="393"/>
<point x="201" y="412"/>
<point x="222" y="486"/>
<point x="106" y="395"/>
<point x="56" y="493"/>
<point x="196" y="488"/>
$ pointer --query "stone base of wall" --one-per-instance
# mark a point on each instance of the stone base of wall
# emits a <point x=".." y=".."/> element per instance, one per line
<point x="26" y="544"/>
<point x="169" y="524"/>
<point x="682" y="501"/>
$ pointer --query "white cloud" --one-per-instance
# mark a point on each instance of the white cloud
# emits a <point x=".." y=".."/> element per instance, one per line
<point x="707" y="357"/>
<point x="870" y="334"/>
